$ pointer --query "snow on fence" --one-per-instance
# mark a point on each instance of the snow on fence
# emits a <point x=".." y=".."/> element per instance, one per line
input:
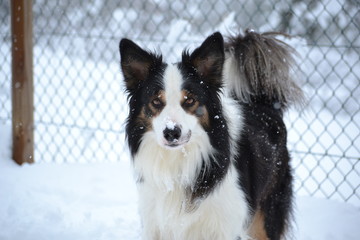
<point x="79" y="102"/>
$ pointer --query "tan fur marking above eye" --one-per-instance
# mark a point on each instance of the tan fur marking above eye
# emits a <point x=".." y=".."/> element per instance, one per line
<point x="257" y="227"/>
<point x="185" y="96"/>
<point x="196" y="109"/>
<point x="149" y="111"/>
<point x="159" y="97"/>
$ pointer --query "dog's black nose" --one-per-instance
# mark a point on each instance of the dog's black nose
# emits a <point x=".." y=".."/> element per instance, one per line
<point x="172" y="134"/>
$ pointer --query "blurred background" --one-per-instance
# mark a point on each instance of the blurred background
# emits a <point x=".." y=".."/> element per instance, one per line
<point x="80" y="106"/>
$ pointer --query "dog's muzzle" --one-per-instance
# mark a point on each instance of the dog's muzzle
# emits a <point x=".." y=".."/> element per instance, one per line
<point x="173" y="136"/>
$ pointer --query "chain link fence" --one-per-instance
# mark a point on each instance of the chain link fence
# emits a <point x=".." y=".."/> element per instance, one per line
<point x="80" y="106"/>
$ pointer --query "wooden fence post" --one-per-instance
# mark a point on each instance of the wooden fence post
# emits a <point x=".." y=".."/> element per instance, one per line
<point x="22" y="82"/>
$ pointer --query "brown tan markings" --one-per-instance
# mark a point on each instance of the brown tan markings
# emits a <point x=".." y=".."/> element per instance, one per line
<point x="156" y="104"/>
<point x="151" y="109"/>
<point x="257" y="227"/>
<point x="192" y="106"/>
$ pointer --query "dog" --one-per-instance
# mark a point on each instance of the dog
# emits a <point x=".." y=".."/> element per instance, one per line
<point x="207" y="138"/>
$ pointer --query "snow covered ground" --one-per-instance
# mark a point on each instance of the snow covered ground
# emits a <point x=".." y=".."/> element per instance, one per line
<point x="79" y="113"/>
<point x="98" y="201"/>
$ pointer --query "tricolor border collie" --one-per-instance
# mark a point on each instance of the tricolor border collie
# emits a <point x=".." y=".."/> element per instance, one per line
<point x="207" y="138"/>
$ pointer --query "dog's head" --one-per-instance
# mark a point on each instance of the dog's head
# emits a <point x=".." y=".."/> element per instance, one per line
<point x="175" y="104"/>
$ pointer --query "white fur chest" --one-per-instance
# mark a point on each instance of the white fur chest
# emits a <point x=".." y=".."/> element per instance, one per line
<point x="167" y="215"/>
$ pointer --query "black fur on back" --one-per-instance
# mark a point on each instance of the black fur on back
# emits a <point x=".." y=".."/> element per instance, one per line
<point x="263" y="163"/>
<point x="264" y="65"/>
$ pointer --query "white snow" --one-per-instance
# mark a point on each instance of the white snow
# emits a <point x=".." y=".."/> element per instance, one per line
<point x="170" y="124"/>
<point x="99" y="201"/>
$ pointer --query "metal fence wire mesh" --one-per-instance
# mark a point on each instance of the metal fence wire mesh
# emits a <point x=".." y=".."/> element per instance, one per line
<point x="80" y="106"/>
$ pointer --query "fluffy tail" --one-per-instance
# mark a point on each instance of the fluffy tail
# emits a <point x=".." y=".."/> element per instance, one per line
<point x="259" y="68"/>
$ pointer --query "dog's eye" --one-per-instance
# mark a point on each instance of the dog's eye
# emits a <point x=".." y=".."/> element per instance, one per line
<point x="189" y="101"/>
<point x="157" y="103"/>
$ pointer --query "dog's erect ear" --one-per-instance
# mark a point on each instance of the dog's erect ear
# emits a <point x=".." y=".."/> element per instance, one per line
<point x="208" y="59"/>
<point x="135" y="63"/>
